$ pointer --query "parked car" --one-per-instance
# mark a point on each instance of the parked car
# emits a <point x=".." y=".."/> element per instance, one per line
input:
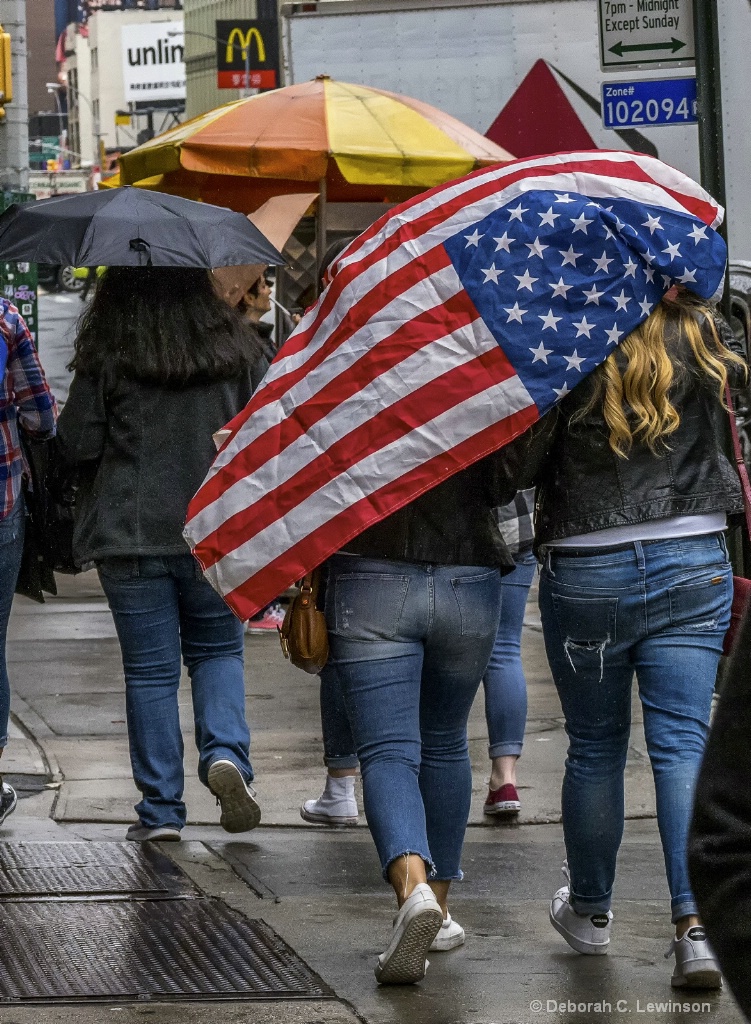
<point x="58" y="279"/>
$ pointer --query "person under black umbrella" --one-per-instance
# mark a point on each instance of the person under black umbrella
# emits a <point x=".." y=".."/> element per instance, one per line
<point x="161" y="362"/>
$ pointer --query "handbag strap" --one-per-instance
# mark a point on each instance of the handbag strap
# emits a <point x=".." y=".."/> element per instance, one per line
<point x="740" y="465"/>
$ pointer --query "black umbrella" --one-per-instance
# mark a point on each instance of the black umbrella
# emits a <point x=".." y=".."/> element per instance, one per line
<point x="131" y="227"/>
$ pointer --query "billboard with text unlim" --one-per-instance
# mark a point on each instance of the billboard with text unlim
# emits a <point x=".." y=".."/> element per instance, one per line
<point x="153" y="61"/>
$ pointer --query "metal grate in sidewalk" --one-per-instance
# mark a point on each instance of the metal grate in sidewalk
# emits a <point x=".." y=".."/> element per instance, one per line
<point x="88" y="870"/>
<point x="67" y="951"/>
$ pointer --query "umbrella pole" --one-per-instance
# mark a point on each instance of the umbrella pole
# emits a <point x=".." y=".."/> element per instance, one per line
<point x="320" y="230"/>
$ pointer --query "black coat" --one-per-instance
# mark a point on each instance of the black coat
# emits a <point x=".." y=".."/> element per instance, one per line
<point x="720" y="840"/>
<point x="145" y="451"/>
<point x="584" y="486"/>
<point x="455" y="523"/>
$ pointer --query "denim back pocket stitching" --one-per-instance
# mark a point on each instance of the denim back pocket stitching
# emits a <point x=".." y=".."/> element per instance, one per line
<point x="474" y="605"/>
<point x="589" y="644"/>
<point x="361" y="605"/>
<point x="680" y="612"/>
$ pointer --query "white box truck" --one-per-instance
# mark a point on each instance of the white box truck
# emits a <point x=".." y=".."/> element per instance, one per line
<point x="525" y="72"/>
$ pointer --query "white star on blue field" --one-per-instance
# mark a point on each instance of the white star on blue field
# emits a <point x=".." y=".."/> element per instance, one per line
<point x="560" y="279"/>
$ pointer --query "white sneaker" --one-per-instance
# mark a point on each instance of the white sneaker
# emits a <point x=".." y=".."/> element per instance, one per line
<point x="337" y="805"/>
<point x="450" y="936"/>
<point x="416" y="925"/>
<point x="139" y="833"/>
<point x="585" y="934"/>
<point x="240" y="810"/>
<point x="695" y="964"/>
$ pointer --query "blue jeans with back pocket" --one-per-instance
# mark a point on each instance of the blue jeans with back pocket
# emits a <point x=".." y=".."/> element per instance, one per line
<point x="659" y="610"/>
<point x="409" y="644"/>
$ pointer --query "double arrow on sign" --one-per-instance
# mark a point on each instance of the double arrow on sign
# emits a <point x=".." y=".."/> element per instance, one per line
<point x="620" y="48"/>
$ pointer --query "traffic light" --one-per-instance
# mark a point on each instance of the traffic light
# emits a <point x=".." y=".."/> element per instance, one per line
<point x="6" y="74"/>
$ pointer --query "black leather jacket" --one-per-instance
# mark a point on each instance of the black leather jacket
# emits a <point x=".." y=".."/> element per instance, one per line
<point x="454" y="523"/>
<point x="584" y="486"/>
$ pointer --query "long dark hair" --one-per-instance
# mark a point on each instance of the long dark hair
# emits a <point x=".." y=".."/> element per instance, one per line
<point x="164" y="326"/>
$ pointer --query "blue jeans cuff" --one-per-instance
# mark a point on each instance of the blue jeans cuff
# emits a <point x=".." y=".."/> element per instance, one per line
<point x="512" y="749"/>
<point x="429" y="865"/>
<point x="683" y="906"/>
<point x="341" y="761"/>
<point x="587" y="905"/>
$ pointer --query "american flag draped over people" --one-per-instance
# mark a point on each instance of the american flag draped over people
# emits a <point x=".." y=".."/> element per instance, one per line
<point x="446" y="330"/>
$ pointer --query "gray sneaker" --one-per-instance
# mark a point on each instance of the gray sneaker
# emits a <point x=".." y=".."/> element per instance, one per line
<point x="584" y="933"/>
<point x="695" y="965"/>
<point x="240" y="810"/>
<point x="139" y="833"/>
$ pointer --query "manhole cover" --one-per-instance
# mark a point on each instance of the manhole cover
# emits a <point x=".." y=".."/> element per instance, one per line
<point x="87" y="869"/>
<point x="181" y="949"/>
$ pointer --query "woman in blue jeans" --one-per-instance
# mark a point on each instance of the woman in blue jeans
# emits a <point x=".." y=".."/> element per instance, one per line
<point x="634" y="498"/>
<point x="505" y="695"/>
<point x="161" y="363"/>
<point x="412" y="606"/>
<point x="27" y="404"/>
<point x="504" y="682"/>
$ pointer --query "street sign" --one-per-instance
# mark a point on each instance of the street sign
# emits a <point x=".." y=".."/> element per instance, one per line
<point x="645" y="34"/>
<point x="660" y="101"/>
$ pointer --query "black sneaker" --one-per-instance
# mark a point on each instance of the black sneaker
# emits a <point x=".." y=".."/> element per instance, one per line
<point x="8" y="801"/>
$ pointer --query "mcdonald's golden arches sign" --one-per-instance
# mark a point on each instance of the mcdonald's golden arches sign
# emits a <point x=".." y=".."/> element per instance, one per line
<point x="247" y="50"/>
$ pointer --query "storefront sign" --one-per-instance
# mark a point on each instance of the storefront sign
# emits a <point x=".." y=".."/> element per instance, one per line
<point x="247" y="54"/>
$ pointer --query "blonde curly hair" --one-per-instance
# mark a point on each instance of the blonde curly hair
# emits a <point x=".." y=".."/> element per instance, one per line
<point x="636" y="403"/>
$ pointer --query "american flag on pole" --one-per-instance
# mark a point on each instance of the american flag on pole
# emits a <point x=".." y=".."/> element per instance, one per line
<point x="446" y="329"/>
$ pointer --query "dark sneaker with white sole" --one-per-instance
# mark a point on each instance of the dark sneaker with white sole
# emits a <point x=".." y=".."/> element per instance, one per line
<point x="585" y="933"/>
<point x="240" y="810"/>
<point x="8" y="800"/>
<point x="695" y="965"/>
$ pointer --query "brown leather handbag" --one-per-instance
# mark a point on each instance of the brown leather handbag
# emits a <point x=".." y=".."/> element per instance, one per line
<point x="303" y="634"/>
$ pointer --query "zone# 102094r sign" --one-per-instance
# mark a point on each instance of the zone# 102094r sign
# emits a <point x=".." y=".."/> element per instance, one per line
<point x="645" y="34"/>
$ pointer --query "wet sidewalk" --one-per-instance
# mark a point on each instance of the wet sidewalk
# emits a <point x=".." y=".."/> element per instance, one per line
<point x="319" y="889"/>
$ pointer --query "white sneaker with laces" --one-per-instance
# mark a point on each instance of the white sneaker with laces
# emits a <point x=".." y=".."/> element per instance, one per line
<point x="337" y="805"/>
<point x="416" y="925"/>
<point x="240" y="810"/>
<point x="450" y="936"/>
<point x="585" y="934"/>
<point x="695" y="964"/>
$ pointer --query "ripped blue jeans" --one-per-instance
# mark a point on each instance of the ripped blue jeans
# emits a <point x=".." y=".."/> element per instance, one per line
<point x="659" y="610"/>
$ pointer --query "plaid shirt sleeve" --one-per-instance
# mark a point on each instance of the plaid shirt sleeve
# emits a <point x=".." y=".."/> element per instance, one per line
<point x="516" y="522"/>
<point x="29" y="391"/>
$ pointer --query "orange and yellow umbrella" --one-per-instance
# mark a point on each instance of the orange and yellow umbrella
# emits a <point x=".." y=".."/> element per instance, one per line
<point x="356" y="143"/>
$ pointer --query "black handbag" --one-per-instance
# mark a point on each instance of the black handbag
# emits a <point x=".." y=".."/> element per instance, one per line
<point x="50" y="495"/>
<point x="35" y="577"/>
